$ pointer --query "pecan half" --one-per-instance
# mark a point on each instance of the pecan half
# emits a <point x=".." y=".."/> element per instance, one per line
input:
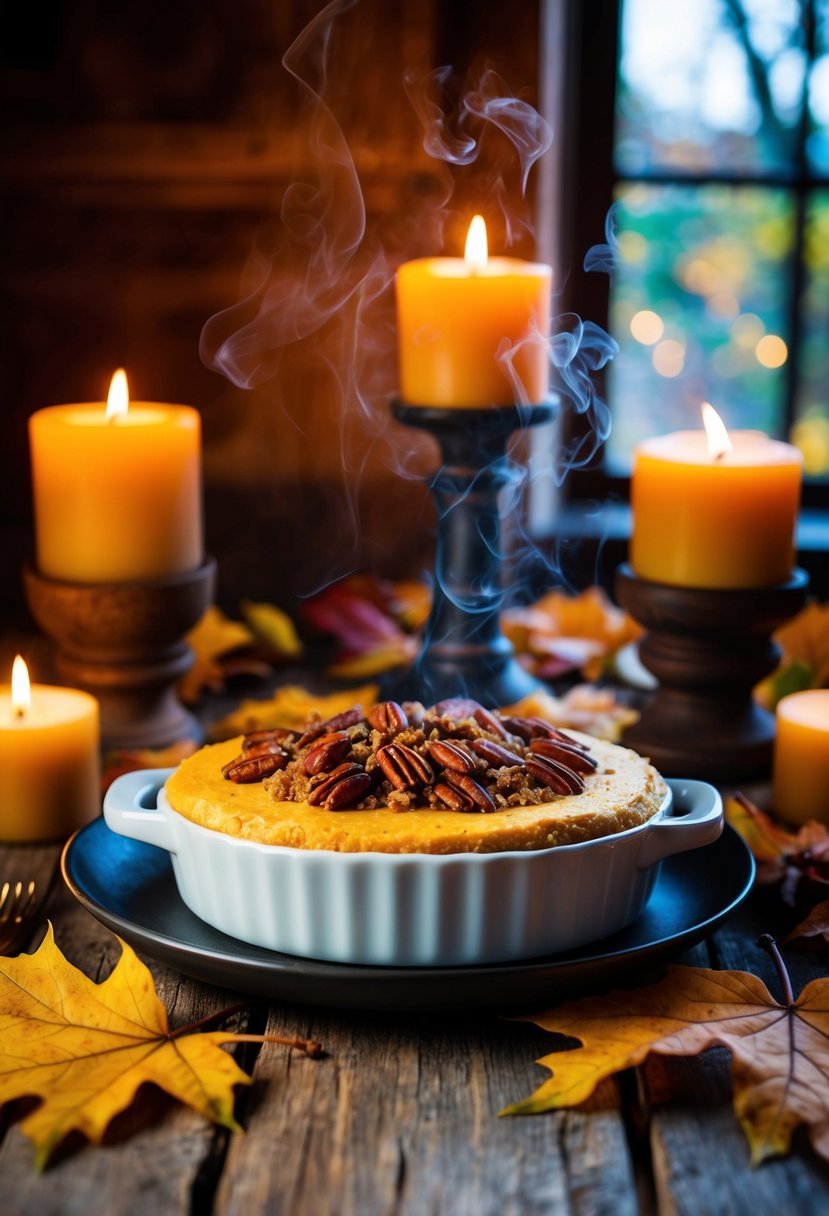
<point x="388" y="717"/>
<point x="327" y="752"/>
<point x="348" y="791"/>
<point x="320" y="793"/>
<point x="456" y="800"/>
<point x="495" y="755"/>
<point x="405" y="768"/>
<point x="566" y="753"/>
<point x="349" y="717"/>
<point x="488" y="721"/>
<point x="553" y="774"/>
<point x="468" y="785"/>
<point x="244" y="770"/>
<point x="450" y="755"/>
<point x="526" y="728"/>
<point x="261" y="739"/>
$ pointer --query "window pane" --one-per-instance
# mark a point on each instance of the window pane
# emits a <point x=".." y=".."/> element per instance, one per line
<point x="699" y="305"/>
<point x="712" y="85"/>
<point x="817" y="146"/>
<point x="811" y="428"/>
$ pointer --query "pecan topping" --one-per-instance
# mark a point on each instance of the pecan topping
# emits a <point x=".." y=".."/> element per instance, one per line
<point x="566" y="753"/>
<point x="388" y="717"/>
<point x="456" y="754"/>
<point x="405" y="768"/>
<point x="557" y="776"/>
<point x="327" y="752"/>
<point x="482" y="798"/>
<point x="246" y="769"/>
<point x="495" y="755"/>
<point x="321" y="794"/>
<point x="450" y="755"/>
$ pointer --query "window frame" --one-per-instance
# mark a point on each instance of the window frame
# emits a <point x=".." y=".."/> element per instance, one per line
<point x="594" y="35"/>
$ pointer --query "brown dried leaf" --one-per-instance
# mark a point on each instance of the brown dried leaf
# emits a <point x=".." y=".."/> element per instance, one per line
<point x="780" y="1053"/>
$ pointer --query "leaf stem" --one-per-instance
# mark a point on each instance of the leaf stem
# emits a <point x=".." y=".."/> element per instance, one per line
<point x="766" y="942"/>
<point x="311" y="1047"/>
<point x="211" y="1017"/>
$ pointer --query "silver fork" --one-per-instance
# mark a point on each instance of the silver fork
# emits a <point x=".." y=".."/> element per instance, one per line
<point x="18" y="907"/>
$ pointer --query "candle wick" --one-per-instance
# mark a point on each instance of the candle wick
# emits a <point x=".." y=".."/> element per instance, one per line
<point x="19" y="712"/>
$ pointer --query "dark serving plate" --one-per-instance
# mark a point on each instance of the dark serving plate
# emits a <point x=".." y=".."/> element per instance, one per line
<point x="129" y="887"/>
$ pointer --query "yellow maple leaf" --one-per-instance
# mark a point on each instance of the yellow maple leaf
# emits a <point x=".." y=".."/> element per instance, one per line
<point x="272" y="627"/>
<point x="779" y="1051"/>
<point x="85" y="1048"/>
<point x="290" y="708"/>
<point x="214" y="635"/>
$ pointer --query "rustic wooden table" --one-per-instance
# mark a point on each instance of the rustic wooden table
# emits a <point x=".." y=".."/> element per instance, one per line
<point x="401" y="1114"/>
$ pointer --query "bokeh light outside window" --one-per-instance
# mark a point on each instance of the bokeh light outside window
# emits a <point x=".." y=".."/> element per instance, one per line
<point x="721" y="291"/>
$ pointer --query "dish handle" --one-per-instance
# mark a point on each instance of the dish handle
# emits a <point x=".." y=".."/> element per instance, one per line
<point x="696" y="820"/>
<point x="130" y="807"/>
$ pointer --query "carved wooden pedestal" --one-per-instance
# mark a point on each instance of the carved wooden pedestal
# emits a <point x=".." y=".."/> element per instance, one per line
<point x="124" y="643"/>
<point x="707" y="648"/>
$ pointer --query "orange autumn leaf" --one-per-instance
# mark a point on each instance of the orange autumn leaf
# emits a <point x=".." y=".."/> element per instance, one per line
<point x="85" y="1048"/>
<point x="780" y="1052"/>
<point x="580" y="631"/>
<point x="290" y="708"/>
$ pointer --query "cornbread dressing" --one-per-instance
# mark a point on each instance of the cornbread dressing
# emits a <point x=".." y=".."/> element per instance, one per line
<point x="624" y="792"/>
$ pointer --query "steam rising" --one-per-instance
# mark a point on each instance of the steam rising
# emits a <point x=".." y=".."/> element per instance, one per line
<point x="323" y="267"/>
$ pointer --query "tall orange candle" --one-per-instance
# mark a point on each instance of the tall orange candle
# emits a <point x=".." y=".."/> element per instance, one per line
<point x="117" y="489"/>
<point x="49" y="763"/>
<point x="715" y="509"/>
<point x="801" y="757"/>
<point x="461" y="320"/>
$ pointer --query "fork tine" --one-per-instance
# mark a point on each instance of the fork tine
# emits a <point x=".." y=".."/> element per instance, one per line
<point x="18" y="905"/>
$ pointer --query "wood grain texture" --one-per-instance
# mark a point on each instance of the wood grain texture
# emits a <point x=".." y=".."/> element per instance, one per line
<point x="402" y="1117"/>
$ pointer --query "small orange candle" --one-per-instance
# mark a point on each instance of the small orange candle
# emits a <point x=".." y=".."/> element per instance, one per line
<point x="117" y="489"/>
<point x="49" y="762"/>
<point x="715" y="510"/>
<point x="458" y="318"/>
<point x="801" y="757"/>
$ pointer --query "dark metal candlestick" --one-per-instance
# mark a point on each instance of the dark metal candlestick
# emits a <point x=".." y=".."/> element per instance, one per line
<point x="464" y="651"/>
<point x="124" y="643"/>
<point x="708" y="648"/>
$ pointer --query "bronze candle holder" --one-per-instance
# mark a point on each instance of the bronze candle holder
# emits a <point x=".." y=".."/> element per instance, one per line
<point x="125" y="643"/>
<point x="708" y="648"/>
<point x="464" y="652"/>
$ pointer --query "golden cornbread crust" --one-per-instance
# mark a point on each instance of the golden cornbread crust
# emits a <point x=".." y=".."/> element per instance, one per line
<point x="624" y="792"/>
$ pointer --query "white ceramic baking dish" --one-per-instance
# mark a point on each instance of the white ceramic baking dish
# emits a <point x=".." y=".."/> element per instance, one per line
<point x="414" y="909"/>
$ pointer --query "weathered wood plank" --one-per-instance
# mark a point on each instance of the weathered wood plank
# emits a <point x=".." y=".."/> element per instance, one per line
<point x="156" y="1152"/>
<point x="402" y="1117"/>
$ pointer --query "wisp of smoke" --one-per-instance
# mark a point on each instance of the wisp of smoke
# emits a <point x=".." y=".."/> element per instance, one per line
<point x="324" y="267"/>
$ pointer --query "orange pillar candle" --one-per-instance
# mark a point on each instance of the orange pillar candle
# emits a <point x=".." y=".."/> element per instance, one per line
<point x="715" y="512"/>
<point x="459" y="318"/>
<point x="801" y="757"/>
<point x="117" y="489"/>
<point x="49" y="760"/>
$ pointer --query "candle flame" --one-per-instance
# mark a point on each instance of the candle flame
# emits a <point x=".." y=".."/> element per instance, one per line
<point x="476" y="252"/>
<point x="718" y="442"/>
<point x="21" y="688"/>
<point x="118" y="401"/>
